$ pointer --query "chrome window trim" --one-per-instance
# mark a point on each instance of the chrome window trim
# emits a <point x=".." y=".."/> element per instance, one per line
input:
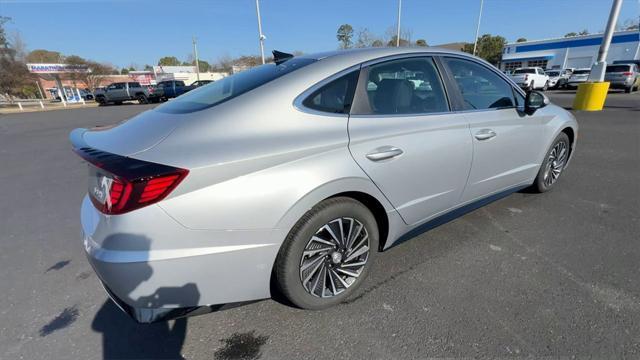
<point x="298" y="101"/>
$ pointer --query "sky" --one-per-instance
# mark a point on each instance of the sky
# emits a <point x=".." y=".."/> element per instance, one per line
<point x="124" y="32"/>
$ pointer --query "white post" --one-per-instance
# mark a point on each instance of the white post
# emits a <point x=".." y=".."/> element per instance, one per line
<point x="41" y="104"/>
<point x="475" y="42"/>
<point x="80" y="97"/>
<point x="398" y="30"/>
<point x="598" y="69"/>
<point x="260" y="34"/>
<point x="20" y="106"/>
<point x="61" y="94"/>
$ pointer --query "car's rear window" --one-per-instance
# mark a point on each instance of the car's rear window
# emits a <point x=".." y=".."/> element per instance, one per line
<point x="618" y="68"/>
<point x="525" y="71"/>
<point x="581" y="72"/>
<point x="231" y="86"/>
<point x="553" y="73"/>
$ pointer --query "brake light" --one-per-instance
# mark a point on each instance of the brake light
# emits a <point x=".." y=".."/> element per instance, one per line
<point x="526" y="77"/>
<point x="627" y="73"/>
<point x="122" y="184"/>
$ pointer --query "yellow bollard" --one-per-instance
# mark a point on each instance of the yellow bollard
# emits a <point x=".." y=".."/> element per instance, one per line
<point x="591" y="96"/>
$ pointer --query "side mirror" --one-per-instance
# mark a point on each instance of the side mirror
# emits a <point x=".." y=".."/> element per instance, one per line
<point x="535" y="100"/>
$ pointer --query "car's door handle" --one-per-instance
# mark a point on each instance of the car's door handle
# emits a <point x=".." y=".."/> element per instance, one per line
<point x="485" y="134"/>
<point x="383" y="153"/>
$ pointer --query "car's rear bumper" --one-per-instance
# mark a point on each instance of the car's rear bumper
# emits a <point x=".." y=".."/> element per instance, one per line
<point x="620" y="84"/>
<point x="154" y="268"/>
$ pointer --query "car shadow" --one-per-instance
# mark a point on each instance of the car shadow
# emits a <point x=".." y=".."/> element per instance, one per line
<point x="123" y="337"/>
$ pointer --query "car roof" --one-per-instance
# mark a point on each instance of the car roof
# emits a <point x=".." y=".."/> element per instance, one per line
<point x="365" y="54"/>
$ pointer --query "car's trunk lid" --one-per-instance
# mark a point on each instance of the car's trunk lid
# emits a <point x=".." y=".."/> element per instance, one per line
<point x="130" y="137"/>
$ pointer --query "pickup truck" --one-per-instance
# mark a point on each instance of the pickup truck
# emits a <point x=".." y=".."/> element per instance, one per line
<point x="123" y="91"/>
<point x="173" y="88"/>
<point x="530" y="78"/>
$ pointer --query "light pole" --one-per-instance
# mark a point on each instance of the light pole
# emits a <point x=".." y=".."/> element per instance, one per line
<point x="475" y="42"/>
<point x="398" y="30"/>
<point x="260" y="34"/>
<point x="598" y="69"/>
<point x="195" y="55"/>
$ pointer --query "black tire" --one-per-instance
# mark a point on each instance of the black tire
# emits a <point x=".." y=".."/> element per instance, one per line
<point x="628" y="89"/>
<point x="546" y="86"/>
<point x="541" y="183"/>
<point x="101" y="101"/>
<point x="287" y="268"/>
<point x="142" y="99"/>
<point x="531" y="86"/>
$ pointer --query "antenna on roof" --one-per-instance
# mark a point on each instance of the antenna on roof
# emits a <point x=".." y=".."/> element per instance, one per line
<point x="279" y="57"/>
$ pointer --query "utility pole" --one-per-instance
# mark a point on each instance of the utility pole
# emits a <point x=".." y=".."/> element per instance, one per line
<point x="195" y="55"/>
<point x="475" y="42"/>
<point x="398" y="32"/>
<point x="261" y="36"/>
<point x="598" y="69"/>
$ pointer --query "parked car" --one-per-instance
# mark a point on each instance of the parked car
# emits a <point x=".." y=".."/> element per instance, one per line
<point x="297" y="173"/>
<point x="173" y="88"/>
<point x="123" y="91"/>
<point x="623" y="76"/>
<point x="579" y="76"/>
<point x="199" y="83"/>
<point x="637" y="62"/>
<point x="530" y="78"/>
<point x="558" y="79"/>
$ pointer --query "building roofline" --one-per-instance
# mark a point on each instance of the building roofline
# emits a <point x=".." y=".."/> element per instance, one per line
<point x="570" y="37"/>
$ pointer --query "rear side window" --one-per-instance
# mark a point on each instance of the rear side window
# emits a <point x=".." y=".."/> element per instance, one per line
<point x="406" y="86"/>
<point x="134" y="84"/>
<point x="480" y="87"/>
<point x="334" y="97"/>
<point x="618" y="68"/>
<point x="525" y="71"/>
<point x="231" y="86"/>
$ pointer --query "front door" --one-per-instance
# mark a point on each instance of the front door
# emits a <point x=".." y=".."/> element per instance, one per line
<point x="506" y="142"/>
<point x="403" y="135"/>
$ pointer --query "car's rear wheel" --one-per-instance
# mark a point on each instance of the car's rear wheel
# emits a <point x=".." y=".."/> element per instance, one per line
<point x="546" y="86"/>
<point x="628" y="89"/>
<point x="328" y="254"/>
<point x="142" y="99"/>
<point x="553" y="164"/>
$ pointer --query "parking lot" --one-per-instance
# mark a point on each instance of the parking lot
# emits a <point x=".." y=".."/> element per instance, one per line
<point x="551" y="275"/>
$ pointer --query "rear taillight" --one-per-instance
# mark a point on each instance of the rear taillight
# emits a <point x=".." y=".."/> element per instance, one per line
<point x="119" y="184"/>
<point x="627" y="73"/>
<point x="526" y="77"/>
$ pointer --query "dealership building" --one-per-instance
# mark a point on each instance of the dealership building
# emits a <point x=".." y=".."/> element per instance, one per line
<point x="570" y="52"/>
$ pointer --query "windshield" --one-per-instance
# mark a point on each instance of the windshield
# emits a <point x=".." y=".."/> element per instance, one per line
<point x="581" y="72"/>
<point x="231" y="86"/>
<point x="553" y="73"/>
<point x="525" y="71"/>
<point x="618" y="68"/>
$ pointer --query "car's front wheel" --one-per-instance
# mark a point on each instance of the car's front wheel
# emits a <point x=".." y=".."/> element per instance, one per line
<point x="328" y="254"/>
<point x="553" y="164"/>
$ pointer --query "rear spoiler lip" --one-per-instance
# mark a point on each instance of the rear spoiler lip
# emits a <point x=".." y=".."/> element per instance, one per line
<point x="76" y="137"/>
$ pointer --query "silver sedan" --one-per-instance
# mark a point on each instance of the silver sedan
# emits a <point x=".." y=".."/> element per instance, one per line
<point x="293" y="176"/>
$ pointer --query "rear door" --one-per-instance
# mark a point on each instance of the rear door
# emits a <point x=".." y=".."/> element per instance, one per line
<point x="404" y="136"/>
<point x="116" y="92"/>
<point x="506" y="142"/>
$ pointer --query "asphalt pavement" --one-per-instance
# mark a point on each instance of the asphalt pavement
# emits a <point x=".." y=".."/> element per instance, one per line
<point x="551" y="275"/>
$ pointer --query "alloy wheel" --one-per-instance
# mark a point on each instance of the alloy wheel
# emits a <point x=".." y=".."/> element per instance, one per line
<point x="555" y="163"/>
<point x="334" y="257"/>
